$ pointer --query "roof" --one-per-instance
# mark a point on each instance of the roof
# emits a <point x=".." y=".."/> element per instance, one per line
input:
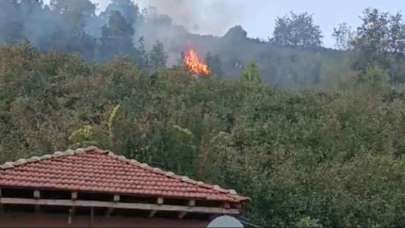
<point x="94" y="170"/>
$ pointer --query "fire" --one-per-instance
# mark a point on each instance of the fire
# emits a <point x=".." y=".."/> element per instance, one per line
<point x="195" y="64"/>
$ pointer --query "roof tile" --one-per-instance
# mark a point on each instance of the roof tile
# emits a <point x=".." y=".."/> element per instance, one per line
<point x="94" y="170"/>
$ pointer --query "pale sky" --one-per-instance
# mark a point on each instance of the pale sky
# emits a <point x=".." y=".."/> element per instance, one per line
<point x="258" y="16"/>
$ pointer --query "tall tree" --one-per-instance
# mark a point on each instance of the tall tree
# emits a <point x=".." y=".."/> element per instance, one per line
<point x="379" y="40"/>
<point x="158" y="56"/>
<point x="117" y="37"/>
<point x="74" y="12"/>
<point x="372" y="40"/>
<point x="297" y="30"/>
<point x="128" y="9"/>
<point x="344" y="36"/>
<point x="71" y="18"/>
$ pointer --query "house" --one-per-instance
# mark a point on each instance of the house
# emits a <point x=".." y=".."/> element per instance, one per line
<point x="95" y="188"/>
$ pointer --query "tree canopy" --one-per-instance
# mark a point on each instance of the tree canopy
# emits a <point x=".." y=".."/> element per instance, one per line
<point x="297" y="30"/>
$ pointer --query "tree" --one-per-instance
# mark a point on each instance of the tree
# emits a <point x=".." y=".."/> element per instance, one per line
<point x="69" y="22"/>
<point x="372" y="40"/>
<point x="236" y="34"/>
<point x="397" y="35"/>
<point x="379" y="42"/>
<point x="323" y="158"/>
<point x="117" y="37"/>
<point x="74" y="12"/>
<point x="214" y="62"/>
<point x="158" y="56"/>
<point x="344" y="36"/>
<point x="127" y="8"/>
<point x="375" y="77"/>
<point x="252" y="73"/>
<point x="297" y="30"/>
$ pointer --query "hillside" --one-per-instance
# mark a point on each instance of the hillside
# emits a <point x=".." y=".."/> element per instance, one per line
<point x="315" y="136"/>
<point x="330" y="158"/>
<point x="123" y="30"/>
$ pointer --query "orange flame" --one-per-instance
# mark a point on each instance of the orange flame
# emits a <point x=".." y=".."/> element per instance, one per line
<point x="195" y="64"/>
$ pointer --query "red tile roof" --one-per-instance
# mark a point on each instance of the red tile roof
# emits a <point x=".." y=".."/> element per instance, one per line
<point x="95" y="170"/>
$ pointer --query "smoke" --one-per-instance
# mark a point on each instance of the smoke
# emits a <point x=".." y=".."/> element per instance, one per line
<point x="202" y="16"/>
<point x="197" y="16"/>
<point x="173" y="22"/>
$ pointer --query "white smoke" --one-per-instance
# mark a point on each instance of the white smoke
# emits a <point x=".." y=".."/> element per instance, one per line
<point x="199" y="16"/>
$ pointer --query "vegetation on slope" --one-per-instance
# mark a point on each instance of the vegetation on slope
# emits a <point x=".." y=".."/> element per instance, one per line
<point x="328" y="157"/>
<point x="332" y="156"/>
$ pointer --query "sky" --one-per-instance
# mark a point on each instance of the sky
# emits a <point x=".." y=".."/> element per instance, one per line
<point x="257" y="16"/>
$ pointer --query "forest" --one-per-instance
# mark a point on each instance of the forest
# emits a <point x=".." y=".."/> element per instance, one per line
<point x="315" y="136"/>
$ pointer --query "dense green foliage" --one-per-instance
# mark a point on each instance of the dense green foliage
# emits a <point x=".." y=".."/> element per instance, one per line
<point x="332" y="159"/>
<point x="332" y="156"/>
<point x="297" y="30"/>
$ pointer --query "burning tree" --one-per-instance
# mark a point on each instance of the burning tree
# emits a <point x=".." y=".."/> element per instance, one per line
<point x="195" y="64"/>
